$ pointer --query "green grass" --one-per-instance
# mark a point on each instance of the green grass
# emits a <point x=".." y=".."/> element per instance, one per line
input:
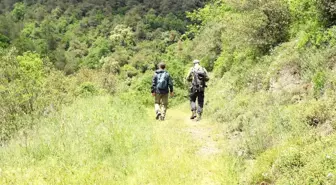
<point x="92" y="141"/>
<point x="109" y="141"/>
<point x="104" y="140"/>
<point x="282" y="136"/>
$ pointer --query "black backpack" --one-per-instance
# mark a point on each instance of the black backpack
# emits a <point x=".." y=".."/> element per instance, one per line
<point x="198" y="82"/>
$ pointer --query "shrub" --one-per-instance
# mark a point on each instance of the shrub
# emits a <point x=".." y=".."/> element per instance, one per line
<point x="328" y="8"/>
<point x="110" y="65"/>
<point x="319" y="81"/>
<point x="21" y="87"/>
<point x="87" y="89"/>
<point x="99" y="78"/>
<point x="58" y="89"/>
<point x="100" y="48"/>
<point x="122" y="36"/>
<point x="19" y="11"/>
<point x="129" y="71"/>
<point x="4" y="41"/>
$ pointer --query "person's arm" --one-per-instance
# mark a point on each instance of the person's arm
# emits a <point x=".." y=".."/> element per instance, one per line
<point x="154" y="82"/>
<point x="206" y="75"/>
<point x="189" y="76"/>
<point x="171" y="84"/>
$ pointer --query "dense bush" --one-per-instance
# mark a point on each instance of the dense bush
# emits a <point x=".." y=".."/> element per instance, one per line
<point x="21" y="85"/>
<point x="30" y="87"/>
<point x="328" y="8"/>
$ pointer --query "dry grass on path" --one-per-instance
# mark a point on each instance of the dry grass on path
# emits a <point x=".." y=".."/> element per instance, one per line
<point x="201" y="146"/>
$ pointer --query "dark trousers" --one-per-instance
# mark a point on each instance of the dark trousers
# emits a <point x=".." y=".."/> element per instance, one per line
<point x="200" y="100"/>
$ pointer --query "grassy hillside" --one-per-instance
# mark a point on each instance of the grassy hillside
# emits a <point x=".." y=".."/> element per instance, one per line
<point x="277" y="107"/>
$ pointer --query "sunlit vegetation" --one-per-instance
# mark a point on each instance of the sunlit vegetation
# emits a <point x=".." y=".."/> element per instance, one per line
<point x="272" y="91"/>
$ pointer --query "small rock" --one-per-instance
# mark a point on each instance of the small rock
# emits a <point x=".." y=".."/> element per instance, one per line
<point x="325" y="129"/>
<point x="265" y="174"/>
<point x="330" y="175"/>
<point x="240" y="153"/>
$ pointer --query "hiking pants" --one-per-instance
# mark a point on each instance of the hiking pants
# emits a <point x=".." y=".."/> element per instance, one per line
<point x="161" y="104"/>
<point x="200" y="98"/>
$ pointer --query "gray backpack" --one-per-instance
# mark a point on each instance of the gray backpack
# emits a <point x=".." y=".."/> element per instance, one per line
<point x="162" y="81"/>
<point x="198" y="82"/>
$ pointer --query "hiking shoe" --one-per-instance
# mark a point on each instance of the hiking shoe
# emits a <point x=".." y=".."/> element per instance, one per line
<point x="158" y="116"/>
<point x="199" y="117"/>
<point x="193" y="116"/>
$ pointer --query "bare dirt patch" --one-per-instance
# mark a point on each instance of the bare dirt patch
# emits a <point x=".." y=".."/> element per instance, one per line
<point x="202" y="134"/>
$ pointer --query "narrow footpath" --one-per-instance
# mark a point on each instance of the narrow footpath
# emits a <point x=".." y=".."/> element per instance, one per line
<point x="198" y="146"/>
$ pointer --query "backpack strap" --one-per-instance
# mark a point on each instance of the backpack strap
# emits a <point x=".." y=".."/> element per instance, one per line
<point x="164" y="73"/>
<point x="194" y="69"/>
<point x="194" y="76"/>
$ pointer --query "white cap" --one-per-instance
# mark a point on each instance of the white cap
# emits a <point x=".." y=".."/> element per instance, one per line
<point x="196" y="61"/>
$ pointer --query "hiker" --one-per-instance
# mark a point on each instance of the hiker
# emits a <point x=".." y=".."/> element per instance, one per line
<point x="161" y="85"/>
<point x="198" y="76"/>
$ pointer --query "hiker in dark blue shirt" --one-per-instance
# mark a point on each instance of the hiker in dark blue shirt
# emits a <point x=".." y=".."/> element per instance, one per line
<point x="162" y="84"/>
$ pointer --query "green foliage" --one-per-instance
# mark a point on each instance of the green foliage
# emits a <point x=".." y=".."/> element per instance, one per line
<point x="129" y="71"/>
<point x="122" y="36"/>
<point x="87" y="89"/>
<point x="23" y="79"/>
<point x="29" y="87"/>
<point x="119" y="141"/>
<point x="139" y="91"/>
<point x="21" y="84"/>
<point x="57" y="90"/>
<point x="100" y="48"/>
<point x="319" y="81"/>
<point x="19" y="11"/>
<point x="232" y="34"/>
<point x="111" y="65"/>
<point x="328" y="11"/>
<point x="272" y="90"/>
<point x="31" y="66"/>
<point x="4" y="41"/>
<point x="97" y="81"/>
<point x="80" y="36"/>
<point x="291" y="159"/>
<point x="306" y="161"/>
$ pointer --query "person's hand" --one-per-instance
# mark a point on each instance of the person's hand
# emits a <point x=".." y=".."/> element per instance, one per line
<point x="172" y="94"/>
<point x="153" y="94"/>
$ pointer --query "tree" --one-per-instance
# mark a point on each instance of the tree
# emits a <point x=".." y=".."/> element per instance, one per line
<point x="21" y="81"/>
<point x="4" y="41"/>
<point x="328" y="8"/>
<point x="19" y="11"/>
<point x="122" y="36"/>
<point x="100" y="48"/>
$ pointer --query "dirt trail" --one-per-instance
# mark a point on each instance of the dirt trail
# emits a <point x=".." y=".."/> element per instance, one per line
<point x="202" y="132"/>
<point x="201" y="145"/>
<point x="202" y="135"/>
